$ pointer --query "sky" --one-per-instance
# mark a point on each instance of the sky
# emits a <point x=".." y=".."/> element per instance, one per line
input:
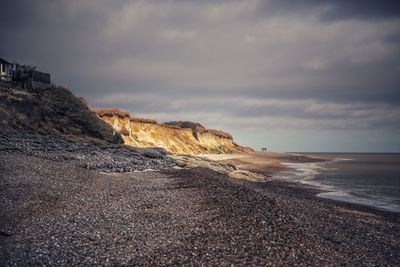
<point x="289" y="75"/>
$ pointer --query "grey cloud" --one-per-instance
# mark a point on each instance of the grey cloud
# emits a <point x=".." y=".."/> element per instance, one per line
<point x="294" y="64"/>
<point x="179" y="49"/>
<point x="338" y="9"/>
<point x="276" y="113"/>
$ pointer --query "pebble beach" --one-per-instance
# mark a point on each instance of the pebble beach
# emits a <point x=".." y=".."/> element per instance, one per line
<point x="57" y="212"/>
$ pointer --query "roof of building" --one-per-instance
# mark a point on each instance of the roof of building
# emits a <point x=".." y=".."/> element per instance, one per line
<point x="41" y="73"/>
<point x="3" y="61"/>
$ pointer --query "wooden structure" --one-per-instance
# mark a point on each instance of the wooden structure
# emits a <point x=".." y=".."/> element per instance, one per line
<point x="5" y="70"/>
<point x="38" y="79"/>
<point x="25" y="76"/>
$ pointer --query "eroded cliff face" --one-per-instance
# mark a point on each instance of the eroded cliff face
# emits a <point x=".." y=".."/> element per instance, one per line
<point x="172" y="136"/>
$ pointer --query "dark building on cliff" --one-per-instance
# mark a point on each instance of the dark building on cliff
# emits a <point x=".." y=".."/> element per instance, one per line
<point x="5" y="70"/>
<point x="24" y="76"/>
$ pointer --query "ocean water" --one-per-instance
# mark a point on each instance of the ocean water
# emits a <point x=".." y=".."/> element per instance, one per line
<point x="368" y="179"/>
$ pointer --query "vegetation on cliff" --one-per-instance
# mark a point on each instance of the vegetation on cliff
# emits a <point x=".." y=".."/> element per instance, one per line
<point x="54" y="110"/>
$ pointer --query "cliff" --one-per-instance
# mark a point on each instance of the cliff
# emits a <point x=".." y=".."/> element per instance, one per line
<point x="175" y="137"/>
<point x="53" y="110"/>
<point x="56" y="111"/>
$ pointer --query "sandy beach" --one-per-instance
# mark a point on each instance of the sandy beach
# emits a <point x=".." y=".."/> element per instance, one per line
<point x="58" y="213"/>
<point x="264" y="163"/>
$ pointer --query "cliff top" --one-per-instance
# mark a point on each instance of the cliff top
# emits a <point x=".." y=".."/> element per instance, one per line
<point x="198" y="128"/>
<point x="194" y="126"/>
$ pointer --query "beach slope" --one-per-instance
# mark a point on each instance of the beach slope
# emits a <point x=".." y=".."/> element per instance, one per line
<point x="58" y="213"/>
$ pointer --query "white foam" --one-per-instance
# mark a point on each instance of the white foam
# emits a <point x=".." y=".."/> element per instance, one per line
<point x="342" y="159"/>
<point x="306" y="173"/>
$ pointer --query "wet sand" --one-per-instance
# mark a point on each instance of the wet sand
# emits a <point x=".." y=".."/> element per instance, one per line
<point x="57" y="213"/>
<point x="264" y="163"/>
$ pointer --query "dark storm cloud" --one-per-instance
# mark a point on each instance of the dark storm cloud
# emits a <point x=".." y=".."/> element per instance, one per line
<point x="338" y="9"/>
<point x="239" y="65"/>
<point x="19" y="14"/>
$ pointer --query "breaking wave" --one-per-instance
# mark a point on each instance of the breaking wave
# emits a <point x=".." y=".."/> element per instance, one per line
<point x="322" y="175"/>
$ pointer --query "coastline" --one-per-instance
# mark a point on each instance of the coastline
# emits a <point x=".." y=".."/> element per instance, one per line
<point x="63" y="214"/>
<point x="300" y="170"/>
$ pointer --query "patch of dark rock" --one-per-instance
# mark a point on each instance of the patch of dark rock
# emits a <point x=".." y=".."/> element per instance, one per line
<point x="4" y="233"/>
<point x="154" y="153"/>
<point x="100" y="157"/>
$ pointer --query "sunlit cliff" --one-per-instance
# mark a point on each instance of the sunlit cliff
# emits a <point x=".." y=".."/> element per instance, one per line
<point x="175" y="137"/>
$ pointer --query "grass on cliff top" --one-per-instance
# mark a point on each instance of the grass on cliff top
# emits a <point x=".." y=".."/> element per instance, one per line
<point x="53" y="110"/>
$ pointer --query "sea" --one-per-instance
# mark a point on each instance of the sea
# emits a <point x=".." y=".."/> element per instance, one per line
<point x="367" y="179"/>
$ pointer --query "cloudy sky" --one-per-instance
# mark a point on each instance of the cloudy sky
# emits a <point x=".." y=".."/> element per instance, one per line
<point x="290" y="75"/>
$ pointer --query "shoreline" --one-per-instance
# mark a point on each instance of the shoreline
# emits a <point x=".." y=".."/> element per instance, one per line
<point x="264" y="163"/>
<point x="312" y="192"/>
<point x="277" y="165"/>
